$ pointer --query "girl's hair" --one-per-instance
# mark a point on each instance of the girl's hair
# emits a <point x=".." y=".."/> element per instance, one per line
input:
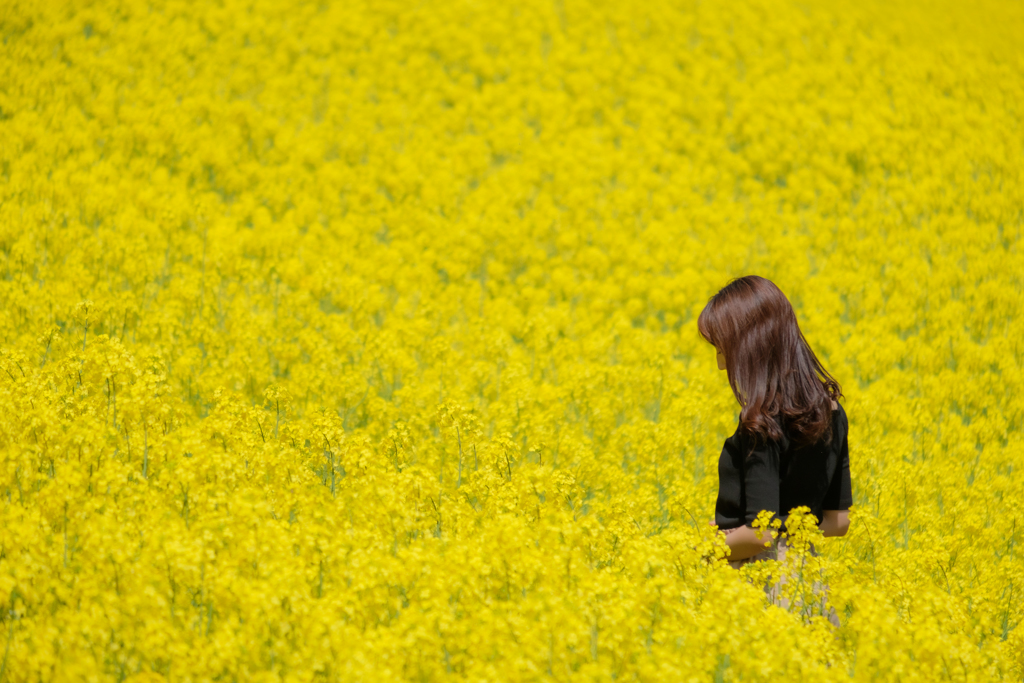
<point x="772" y="371"/>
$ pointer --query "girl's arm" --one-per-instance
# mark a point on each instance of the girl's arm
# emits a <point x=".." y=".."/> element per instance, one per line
<point x="744" y="542"/>
<point x="835" y="522"/>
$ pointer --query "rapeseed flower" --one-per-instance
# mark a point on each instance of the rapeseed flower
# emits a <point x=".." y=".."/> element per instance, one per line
<point x="357" y="341"/>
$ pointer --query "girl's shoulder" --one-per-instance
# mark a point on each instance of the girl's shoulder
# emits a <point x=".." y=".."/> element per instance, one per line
<point x="839" y="420"/>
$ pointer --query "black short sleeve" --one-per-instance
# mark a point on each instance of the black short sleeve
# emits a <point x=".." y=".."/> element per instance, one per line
<point x="840" y="491"/>
<point x="780" y="475"/>
<point x="761" y="481"/>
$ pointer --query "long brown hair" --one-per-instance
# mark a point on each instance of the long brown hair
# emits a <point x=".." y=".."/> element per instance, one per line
<point x="772" y="370"/>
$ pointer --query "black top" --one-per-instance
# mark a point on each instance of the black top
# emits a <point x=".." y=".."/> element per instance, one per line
<point x="778" y="477"/>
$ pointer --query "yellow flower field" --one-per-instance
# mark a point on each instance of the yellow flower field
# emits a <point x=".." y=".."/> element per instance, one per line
<point x="356" y="341"/>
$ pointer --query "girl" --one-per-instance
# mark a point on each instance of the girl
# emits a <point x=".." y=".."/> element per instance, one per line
<point x="790" y="446"/>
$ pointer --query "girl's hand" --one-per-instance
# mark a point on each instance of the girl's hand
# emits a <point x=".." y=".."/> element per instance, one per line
<point x="724" y="531"/>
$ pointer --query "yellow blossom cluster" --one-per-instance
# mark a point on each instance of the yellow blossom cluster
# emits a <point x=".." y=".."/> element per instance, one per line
<point x="355" y="341"/>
